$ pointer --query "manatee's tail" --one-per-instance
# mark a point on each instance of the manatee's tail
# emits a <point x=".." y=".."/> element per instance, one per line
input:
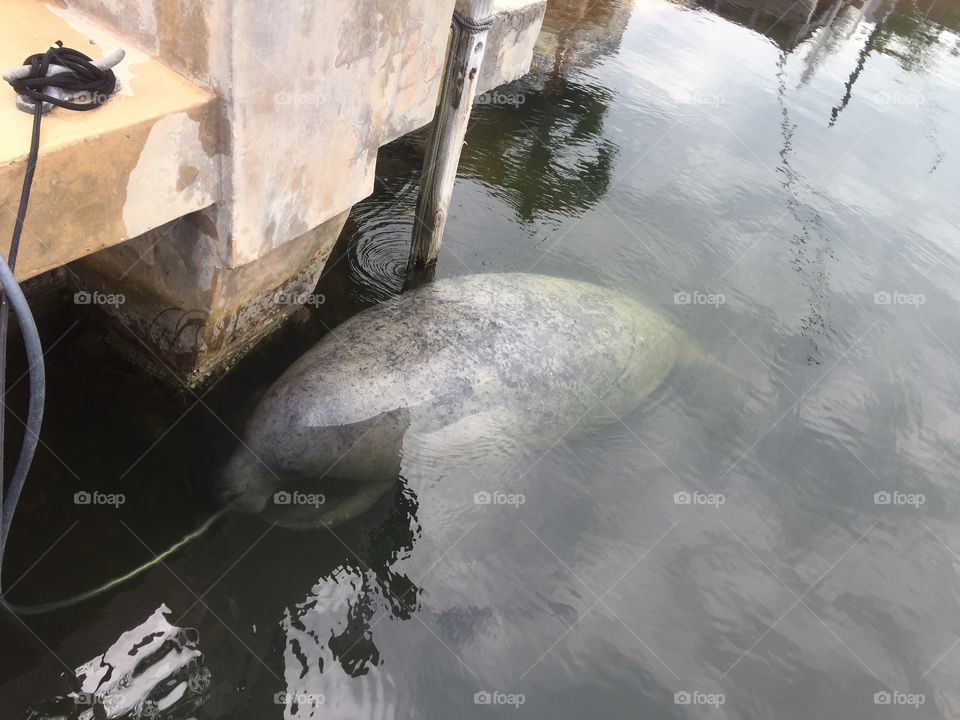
<point x="692" y="355"/>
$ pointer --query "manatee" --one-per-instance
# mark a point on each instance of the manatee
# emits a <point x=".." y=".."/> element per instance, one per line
<point x="469" y="366"/>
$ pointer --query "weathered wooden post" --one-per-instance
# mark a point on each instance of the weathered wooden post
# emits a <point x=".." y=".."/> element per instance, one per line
<point x="471" y="21"/>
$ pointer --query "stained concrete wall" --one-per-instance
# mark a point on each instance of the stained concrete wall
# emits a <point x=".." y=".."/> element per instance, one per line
<point x="363" y="73"/>
<point x="308" y="93"/>
<point x="311" y="91"/>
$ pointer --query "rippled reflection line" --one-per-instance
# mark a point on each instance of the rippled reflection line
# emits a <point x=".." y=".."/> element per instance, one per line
<point x="861" y="62"/>
<point x="612" y="185"/>
<point x="787" y="212"/>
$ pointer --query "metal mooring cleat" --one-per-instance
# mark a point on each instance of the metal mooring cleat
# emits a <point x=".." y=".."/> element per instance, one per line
<point x="25" y="103"/>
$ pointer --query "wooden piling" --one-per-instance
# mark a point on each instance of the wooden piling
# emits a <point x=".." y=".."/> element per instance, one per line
<point x="472" y="20"/>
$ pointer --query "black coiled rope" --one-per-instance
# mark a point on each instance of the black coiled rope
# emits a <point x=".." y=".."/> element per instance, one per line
<point x="95" y="84"/>
<point x="82" y="78"/>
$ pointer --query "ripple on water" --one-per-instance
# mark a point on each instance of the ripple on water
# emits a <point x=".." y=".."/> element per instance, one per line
<point x="380" y="245"/>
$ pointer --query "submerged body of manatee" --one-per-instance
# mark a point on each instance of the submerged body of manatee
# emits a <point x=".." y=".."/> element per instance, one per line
<point x="461" y="370"/>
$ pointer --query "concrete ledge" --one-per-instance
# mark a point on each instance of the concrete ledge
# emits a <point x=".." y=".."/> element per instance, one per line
<point x="510" y="42"/>
<point x="148" y="156"/>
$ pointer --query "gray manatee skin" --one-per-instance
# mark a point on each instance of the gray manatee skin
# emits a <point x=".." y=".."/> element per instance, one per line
<point x="469" y="365"/>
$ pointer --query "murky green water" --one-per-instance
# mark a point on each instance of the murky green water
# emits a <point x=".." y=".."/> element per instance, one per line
<point x="785" y="195"/>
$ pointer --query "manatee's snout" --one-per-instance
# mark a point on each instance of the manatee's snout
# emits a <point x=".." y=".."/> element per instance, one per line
<point x="300" y="473"/>
<point x="244" y="483"/>
<point x="248" y="486"/>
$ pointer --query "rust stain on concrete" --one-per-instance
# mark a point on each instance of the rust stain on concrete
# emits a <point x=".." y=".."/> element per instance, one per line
<point x="210" y="131"/>
<point x="186" y="177"/>
<point x="183" y="35"/>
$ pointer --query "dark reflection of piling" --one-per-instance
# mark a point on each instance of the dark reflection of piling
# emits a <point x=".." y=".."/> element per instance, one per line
<point x="546" y="154"/>
<point x="539" y="144"/>
<point x="868" y="46"/>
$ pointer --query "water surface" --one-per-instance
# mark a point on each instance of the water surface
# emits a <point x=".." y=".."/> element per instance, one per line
<point x="786" y="193"/>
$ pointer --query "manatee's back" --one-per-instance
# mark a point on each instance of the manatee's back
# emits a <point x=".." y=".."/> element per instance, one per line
<point x="528" y="351"/>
